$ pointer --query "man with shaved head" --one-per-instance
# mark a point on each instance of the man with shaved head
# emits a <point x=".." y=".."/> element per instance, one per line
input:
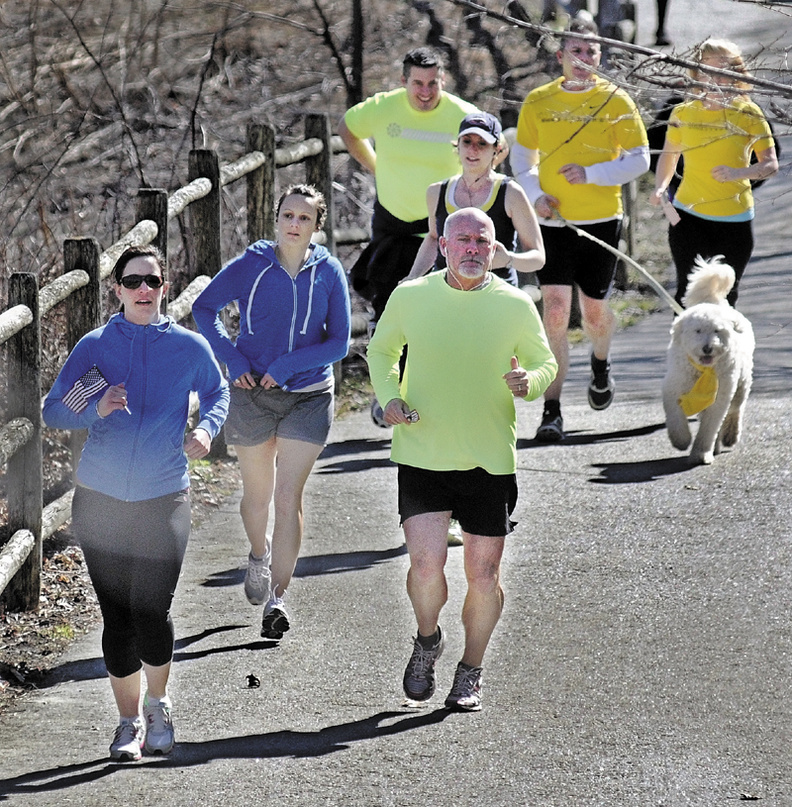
<point x="475" y="344"/>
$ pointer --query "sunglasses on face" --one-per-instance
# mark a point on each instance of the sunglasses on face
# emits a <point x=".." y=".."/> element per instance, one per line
<point x="134" y="281"/>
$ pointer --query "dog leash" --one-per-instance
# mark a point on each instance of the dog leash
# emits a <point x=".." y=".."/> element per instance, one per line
<point x="665" y="296"/>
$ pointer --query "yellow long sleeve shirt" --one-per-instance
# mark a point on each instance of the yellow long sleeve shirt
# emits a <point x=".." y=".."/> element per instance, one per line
<point x="460" y="345"/>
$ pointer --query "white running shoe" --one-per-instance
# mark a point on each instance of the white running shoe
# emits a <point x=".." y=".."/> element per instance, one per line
<point x="455" y="533"/>
<point x="160" y="736"/>
<point x="257" y="579"/>
<point x="128" y="740"/>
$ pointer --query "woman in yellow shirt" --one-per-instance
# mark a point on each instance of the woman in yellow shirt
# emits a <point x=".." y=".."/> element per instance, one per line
<point x="716" y="132"/>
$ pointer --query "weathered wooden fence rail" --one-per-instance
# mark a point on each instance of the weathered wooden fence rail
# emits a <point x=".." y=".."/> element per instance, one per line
<point x="29" y="524"/>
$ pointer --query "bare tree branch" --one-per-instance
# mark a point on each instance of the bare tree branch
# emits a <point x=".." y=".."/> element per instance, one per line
<point x="119" y="105"/>
<point x="327" y="37"/>
<point x="658" y="57"/>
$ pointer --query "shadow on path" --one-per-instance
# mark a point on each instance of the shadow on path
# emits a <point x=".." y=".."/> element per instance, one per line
<point x="291" y="744"/>
<point x="620" y="473"/>
<point x="93" y="668"/>
<point x="349" y="447"/>
<point x="573" y="438"/>
<point x="316" y="565"/>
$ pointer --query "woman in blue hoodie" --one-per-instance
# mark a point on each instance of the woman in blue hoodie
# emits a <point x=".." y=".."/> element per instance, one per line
<point x="294" y="324"/>
<point x="129" y="383"/>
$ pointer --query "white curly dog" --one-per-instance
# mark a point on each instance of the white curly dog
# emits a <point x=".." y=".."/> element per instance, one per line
<point x="709" y="365"/>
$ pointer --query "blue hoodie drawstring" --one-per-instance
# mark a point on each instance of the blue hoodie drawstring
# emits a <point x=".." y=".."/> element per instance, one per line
<point x="310" y="299"/>
<point x="252" y="295"/>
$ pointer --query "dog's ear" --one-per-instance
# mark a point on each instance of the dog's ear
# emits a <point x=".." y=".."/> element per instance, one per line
<point x="676" y="327"/>
<point x="738" y="324"/>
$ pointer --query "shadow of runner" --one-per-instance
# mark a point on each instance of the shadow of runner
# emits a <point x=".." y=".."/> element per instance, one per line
<point x="93" y="668"/>
<point x="350" y="447"/>
<point x="294" y="744"/>
<point x="312" y="566"/>
<point x="575" y="438"/>
<point x="620" y="473"/>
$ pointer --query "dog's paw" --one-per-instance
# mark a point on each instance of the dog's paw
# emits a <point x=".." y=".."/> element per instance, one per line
<point x="679" y="439"/>
<point x="730" y="431"/>
<point x="701" y="458"/>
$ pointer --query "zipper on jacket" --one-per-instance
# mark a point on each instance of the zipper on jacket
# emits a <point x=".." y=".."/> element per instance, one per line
<point x="135" y="441"/>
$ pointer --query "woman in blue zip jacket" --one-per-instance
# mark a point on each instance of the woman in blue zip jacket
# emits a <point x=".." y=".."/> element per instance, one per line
<point x="294" y="323"/>
<point x="129" y="383"/>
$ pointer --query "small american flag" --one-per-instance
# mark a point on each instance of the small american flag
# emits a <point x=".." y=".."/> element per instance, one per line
<point x="84" y="387"/>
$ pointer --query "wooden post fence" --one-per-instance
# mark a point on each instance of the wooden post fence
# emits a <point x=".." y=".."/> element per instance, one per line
<point x="81" y="288"/>
<point x="261" y="184"/>
<point x="319" y="172"/>
<point x="25" y="478"/>
<point x="84" y="307"/>
<point x="205" y="221"/>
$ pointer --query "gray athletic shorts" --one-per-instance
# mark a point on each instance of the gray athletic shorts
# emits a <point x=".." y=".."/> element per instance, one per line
<point x="256" y="415"/>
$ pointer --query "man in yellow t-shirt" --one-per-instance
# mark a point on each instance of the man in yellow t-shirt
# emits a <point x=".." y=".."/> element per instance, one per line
<point x="579" y="139"/>
<point x="412" y="129"/>
<point x="475" y="344"/>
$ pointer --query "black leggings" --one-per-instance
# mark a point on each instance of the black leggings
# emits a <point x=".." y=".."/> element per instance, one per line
<point x="134" y="553"/>
<point x="694" y="236"/>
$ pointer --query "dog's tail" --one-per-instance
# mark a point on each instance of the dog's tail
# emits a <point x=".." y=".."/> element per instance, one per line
<point x="709" y="282"/>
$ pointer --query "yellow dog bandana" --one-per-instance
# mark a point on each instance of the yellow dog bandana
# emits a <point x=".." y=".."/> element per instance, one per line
<point x="703" y="392"/>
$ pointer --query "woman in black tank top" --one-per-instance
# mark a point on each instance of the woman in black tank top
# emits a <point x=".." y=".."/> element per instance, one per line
<point x="520" y="247"/>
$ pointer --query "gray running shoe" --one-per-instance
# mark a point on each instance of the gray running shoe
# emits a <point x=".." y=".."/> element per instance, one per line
<point x="159" y="727"/>
<point x="257" y="580"/>
<point x="275" y="621"/>
<point x="128" y="740"/>
<point x="419" y="677"/>
<point x="551" y="429"/>
<point x="465" y="694"/>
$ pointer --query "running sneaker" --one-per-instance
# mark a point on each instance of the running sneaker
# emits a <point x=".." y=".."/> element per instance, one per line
<point x="455" y="533"/>
<point x="275" y="621"/>
<point x="601" y="389"/>
<point x="465" y="694"/>
<point x="419" y="677"/>
<point x="128" y="740"/>
<point x="159" y="726"/>
<point x="257" y="579"/>
<point x="551" y="429"/>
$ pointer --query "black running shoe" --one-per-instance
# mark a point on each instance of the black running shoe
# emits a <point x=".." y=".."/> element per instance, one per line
<point x="601" y="390"/>
<point x="275" y="621"/>
<point x="551" y="429"/>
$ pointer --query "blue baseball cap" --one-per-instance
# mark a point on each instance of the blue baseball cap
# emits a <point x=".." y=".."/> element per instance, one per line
<point x="483" y="124"/>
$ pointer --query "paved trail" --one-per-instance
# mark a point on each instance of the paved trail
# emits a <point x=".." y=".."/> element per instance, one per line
<point x="644" y="656"/>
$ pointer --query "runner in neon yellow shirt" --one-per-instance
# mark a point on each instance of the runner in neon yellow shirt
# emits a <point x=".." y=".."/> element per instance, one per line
<point x="412" y="129"/>
<point x="475" y="344"/>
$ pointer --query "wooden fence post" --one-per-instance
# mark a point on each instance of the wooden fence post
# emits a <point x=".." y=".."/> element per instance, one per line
<point x="25" y="478"/>
<point x="318" y="169"/>
<point x="84" y="308"/>
<point x="205" y="214"/>
<point x="152" y="204"/>
<point x="205" y="228"/>
<point x="261" y="184"/>
<point x="85" y="304"/>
